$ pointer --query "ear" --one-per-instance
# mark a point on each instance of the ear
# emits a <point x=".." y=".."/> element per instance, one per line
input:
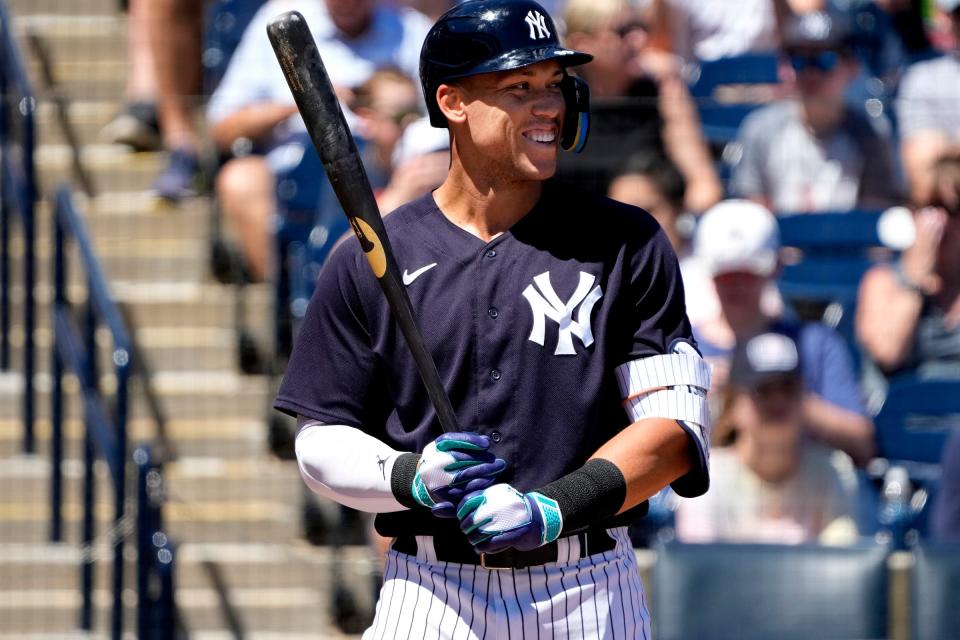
<point x="451" y="100"/>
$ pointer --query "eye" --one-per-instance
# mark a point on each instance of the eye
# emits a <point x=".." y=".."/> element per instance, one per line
<point x="519" y="86"/>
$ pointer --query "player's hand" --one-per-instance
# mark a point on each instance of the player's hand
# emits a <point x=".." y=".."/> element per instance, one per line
<point x="452" y="466"/>
<point x="500" y="517"/>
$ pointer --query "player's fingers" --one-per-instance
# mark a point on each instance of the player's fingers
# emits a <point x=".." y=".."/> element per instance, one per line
<point x="462" y="440"/>
<point x="444" y="510"/>
<point x="499" y="542"/>
<point x="462" y="459"/>
<point x="486" y="470"/>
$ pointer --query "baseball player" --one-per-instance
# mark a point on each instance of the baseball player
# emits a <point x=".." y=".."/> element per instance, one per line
<point x="557" y="323"/>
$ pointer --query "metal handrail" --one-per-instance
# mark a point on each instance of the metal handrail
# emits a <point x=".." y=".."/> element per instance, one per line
<point x="105" y="429"/>
<point x="18" y="175"/>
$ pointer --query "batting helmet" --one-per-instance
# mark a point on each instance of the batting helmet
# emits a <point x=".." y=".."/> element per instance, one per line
<point x="483" y="36"/>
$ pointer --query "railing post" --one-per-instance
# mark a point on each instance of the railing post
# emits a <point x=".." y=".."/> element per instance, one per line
<point x="27" y="108"/>
<point x="89" y="458"/>
<point x="56" y="394"/>
<point x="121" y="362"/>
<point x="4" y="214"/>
<point x="141" y="457"/>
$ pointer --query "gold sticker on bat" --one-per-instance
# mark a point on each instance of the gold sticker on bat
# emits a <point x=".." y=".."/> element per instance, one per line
<point x="371" y="246"/>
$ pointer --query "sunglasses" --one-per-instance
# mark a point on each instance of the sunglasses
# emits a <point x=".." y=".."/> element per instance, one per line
<point x="825" y="61"/>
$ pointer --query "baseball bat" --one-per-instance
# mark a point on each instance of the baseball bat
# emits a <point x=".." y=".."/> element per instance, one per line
<point x="302" y="67"/>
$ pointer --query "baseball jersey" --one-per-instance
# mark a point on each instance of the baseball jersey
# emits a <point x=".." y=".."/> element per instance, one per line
<point x="526" y="331"/>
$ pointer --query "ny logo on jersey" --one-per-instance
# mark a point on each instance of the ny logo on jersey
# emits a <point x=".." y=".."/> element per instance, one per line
<point x="538" y="25"/>
<point x="545" y="303"/>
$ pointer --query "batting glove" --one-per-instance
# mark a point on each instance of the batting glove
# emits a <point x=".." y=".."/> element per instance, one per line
<point x="500" y="517"/>
<point x="452" y="466"/>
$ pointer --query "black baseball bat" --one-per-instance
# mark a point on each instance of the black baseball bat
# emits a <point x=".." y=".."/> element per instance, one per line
<point x="300" y="60"/>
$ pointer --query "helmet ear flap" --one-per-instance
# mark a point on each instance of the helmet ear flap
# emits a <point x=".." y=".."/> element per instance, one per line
<point x="576" y="120"/>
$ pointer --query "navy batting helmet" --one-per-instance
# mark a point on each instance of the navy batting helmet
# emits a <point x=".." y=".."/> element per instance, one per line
<point x="483" y="36"/>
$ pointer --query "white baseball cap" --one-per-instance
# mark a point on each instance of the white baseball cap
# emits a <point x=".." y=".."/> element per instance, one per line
<point x="738" y="235"/>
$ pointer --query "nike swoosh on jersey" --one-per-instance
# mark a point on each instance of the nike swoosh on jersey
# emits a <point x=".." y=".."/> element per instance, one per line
<point x="408" y="278"/>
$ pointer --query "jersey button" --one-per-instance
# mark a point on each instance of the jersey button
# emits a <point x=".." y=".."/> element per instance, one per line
<point x="495" y="436"/>
<point x="495" y="374"/>
<point x="492" y="253"/>
<point x="493" y="312"/>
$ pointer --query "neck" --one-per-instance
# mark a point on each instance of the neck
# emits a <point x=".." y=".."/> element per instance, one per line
<point x="773" y="462"/>
<point x="745" y="324"/>
<point x="484" y="206"/>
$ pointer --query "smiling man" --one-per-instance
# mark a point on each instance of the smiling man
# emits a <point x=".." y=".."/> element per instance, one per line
<point x="557" y="323"/>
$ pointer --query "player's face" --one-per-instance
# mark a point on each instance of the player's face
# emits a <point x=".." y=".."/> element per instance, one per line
<point x="514" y="119"/>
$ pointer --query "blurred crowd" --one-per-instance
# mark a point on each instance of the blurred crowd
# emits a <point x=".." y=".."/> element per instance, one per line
<point x="863" y="116"/>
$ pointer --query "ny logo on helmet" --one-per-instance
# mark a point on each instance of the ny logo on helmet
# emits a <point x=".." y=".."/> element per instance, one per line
<point x="545" y="303"/>
<point x="538" y="25"/>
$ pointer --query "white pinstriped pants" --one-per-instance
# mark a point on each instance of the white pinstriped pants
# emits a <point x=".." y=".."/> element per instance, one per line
<point x="597" y="597"/>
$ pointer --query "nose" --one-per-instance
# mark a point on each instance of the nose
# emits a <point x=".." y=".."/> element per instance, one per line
<point x="548" y="103"/>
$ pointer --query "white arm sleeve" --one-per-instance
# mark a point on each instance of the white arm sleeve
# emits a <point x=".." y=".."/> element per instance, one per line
<point x="346" y="465"/>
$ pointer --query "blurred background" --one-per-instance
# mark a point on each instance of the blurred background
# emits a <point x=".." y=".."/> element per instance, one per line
<point x="164" y="218"/>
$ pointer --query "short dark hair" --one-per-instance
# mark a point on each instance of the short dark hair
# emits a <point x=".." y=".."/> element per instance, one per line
<point x="660" y="170"/>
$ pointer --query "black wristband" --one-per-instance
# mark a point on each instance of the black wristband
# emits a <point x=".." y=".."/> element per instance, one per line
<point x="401" y="479"/>
<point x="588" y="495"/>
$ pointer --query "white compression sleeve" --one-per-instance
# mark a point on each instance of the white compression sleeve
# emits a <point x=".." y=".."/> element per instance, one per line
<point x="347" y="466"/>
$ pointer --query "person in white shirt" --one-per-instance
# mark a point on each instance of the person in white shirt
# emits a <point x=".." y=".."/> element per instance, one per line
<point x="771" y="484"/>
<point x="253" y="109"/>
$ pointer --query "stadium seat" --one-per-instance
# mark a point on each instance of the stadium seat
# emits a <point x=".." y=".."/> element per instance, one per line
<point x="831" y="252"/>
<point x="915" y="419"/>
<point x="728" y="89"/>
<point x="747" y="592"/>
<point x="936" y="592"/>
<point x="225" y="22"/>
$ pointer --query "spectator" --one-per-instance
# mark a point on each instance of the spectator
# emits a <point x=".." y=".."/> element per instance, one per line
<point x="640" y="101"/>
<point x="253" y="108"/>
<point x="175" y="37"/>
<point x="814" y="153"/>
<point x="908" y="313"/>
<point x="136" y="124"/>
<point x="927" y="108"/>
<point x="737" y="244"/>
<point x="709" y="29"/>
<point x="651" y="182"/>
<point x="771" y="485"/>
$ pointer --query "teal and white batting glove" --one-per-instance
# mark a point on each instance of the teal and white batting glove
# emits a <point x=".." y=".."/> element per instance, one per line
<point x="500" y="517"/>
<point x="452" y="466"/>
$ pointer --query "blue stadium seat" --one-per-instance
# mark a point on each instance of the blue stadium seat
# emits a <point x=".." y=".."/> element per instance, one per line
<point x="936" y="592"/>
<point x="835" y="250"/>
<point x="759" y="592"/>
<point x="724" y="97"/>
<point x="225" y="22"/>
<point x="916" y="418"/>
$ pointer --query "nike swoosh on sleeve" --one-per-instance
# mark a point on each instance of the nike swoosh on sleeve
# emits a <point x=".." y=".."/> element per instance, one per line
<point x="410" y="277"/>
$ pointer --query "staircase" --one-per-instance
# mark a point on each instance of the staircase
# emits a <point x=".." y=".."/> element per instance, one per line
<point x="234" y="510"/>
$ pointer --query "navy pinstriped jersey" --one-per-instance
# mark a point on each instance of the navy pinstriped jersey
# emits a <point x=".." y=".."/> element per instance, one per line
<point x="526" y="331"/>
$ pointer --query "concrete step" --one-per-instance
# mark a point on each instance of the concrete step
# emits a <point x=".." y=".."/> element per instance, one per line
<point x="184" y="395"/>
<point x="113" y="167"/>
<point x="62" y="8"/>
<point x="230" y="440"/>
<point x="87" y="118"/>
<point x="164" y="304"/>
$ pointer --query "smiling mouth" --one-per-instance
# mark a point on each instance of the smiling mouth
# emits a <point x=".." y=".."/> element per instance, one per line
<point x="542" y="137"/>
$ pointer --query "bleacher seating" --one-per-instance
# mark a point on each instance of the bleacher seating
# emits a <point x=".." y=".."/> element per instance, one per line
<point x="225" y="22"/>
<point x="727" y="90"/>
<point x="916" y="418"/>
<point x="835" y="250"/>
<point x="745" y="591"/>
<point x="936" y="592"/>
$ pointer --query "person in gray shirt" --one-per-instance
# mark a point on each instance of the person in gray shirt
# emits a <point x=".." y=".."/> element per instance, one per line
<point x="814" y="153"/>
<point x="927" y="109"/>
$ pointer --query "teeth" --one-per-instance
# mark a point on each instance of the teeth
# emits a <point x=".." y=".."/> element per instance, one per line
<point x="542" y="136"/>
